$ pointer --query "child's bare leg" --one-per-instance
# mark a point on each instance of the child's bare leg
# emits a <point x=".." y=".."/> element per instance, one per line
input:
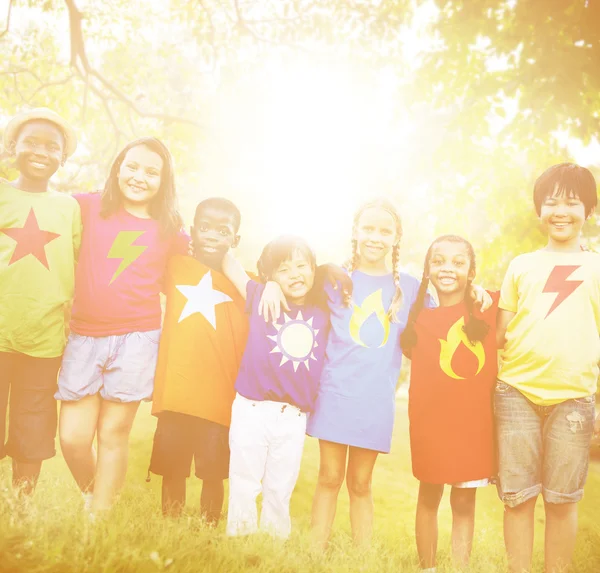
<point x="114" y="427"/>
<point x="358" y="479"/>
<point x="173" y="495"/>
<point x="518" y="535"/>
<point x="25" y="476"/>
<point x="77" y="428"/>
<point x="332" y="469"/>
<point x="211" y="501"/>
<point x="561" y="531"/>
<point x="462" y="501"/>
<point x="426" y="523"/>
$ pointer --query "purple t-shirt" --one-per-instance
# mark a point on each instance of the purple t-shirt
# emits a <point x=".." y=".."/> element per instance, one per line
<point x="283" y="361"/>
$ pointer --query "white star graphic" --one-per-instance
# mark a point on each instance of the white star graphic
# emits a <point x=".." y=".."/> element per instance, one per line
<point x="202" y="298"/>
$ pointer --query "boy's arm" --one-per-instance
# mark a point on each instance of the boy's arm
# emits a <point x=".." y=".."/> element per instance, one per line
<point x="235" y="272"/>
<point x="502" y="320"/>
<point x="508" y="304"/>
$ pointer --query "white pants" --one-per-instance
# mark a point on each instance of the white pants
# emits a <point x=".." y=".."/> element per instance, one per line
<point x="266" y="440"/>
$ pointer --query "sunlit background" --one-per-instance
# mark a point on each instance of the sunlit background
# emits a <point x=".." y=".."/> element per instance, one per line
<point x="301" y="111"/>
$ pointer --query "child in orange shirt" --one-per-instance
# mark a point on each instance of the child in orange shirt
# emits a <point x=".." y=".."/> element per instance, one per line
<point x="203" y="339"/>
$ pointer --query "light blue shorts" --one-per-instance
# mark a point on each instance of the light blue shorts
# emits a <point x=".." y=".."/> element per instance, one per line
<point x="542" y="449"/>
<point x="121" y="368"/>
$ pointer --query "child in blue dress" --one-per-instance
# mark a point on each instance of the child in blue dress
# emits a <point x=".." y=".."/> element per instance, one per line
<point x="354" y="413"/>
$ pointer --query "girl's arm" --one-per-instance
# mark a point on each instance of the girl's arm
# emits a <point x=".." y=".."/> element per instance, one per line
<point x="481" y="297"/>
<point x="235" y="272"/>
<point x="502" y="320"/>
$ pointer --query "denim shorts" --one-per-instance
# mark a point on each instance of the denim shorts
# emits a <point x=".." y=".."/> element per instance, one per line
<point x="120" y="368"/>
<point x="542" y="449"/>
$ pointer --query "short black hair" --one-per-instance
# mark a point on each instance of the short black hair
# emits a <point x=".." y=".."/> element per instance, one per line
<point x="567" y="179"/>
<point x="282" y="249"/>
<point x="224" y="205"/>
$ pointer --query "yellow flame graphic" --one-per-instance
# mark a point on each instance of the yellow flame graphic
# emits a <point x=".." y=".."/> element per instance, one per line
<point x="373" y="304"/>
<point x="456" y="335"/>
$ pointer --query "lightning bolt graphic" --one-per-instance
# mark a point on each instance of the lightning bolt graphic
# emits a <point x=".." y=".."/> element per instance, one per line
<point x="557" y="283"/>
<point x="122" y="248"/>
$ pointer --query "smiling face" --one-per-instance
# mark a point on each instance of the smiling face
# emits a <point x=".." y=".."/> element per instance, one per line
<point x="375" y="234"/>
<point x="140" y="176"/>
<point x="214" y="233"/>
<point x="39" y="149"/>
<point x="450" y="271"/>
<point x="295" y="276"/>
<point x="563" y="215"/>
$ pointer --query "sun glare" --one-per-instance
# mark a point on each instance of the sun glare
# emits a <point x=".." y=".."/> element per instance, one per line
<point x="326" y="140"/>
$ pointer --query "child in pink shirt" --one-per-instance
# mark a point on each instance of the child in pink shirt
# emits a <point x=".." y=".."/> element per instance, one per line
<point x="129" y="232"/>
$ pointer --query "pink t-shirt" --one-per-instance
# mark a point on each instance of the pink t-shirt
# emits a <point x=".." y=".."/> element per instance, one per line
<point x="120" y="272"/>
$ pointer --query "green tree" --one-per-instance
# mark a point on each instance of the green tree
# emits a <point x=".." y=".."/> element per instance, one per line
<point x="482" y="95"/>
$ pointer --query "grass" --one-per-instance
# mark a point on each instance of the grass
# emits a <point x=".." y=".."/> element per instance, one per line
<point x="52" y="534"/>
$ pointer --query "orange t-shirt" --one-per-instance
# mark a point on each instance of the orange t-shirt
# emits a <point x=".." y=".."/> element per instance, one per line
<point x="202" y="343"/>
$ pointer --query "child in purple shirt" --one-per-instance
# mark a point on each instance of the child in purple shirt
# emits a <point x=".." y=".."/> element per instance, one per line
<point x="276" y="388"/>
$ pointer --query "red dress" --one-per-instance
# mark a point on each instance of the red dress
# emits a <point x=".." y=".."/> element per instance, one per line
<point x="450" y="398"/>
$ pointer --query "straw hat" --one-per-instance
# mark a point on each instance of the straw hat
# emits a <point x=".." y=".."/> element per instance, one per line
<point x="43" y="113"/>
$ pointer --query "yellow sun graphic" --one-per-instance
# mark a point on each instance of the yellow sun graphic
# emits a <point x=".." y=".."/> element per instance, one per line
<point x="295" y="340"/>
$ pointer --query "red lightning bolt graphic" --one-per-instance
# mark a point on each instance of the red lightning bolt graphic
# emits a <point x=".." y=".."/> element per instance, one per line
<point x="557" y="282"/>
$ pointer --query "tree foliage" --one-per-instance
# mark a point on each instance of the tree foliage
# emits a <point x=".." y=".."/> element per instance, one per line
<point x="483" y="88"/>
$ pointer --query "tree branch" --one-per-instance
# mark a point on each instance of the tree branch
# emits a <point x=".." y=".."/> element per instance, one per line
<point x="247" y="27"/>
<point x="45" y="85"/>
<point x="42" y="84"/>
<point x="16" y="71"/>
<point x="80" y="62"/>
<point x="7" y="27"/>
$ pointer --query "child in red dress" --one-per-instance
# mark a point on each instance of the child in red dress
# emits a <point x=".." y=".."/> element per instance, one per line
<point x="453" y="353"/>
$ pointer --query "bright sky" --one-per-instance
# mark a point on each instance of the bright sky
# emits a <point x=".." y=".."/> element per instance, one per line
<point x="321" y="135"/>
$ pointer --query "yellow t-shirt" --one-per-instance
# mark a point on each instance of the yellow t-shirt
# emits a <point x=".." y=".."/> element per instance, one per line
<point x="40" y="234"/>
<point x="553" y="343"/>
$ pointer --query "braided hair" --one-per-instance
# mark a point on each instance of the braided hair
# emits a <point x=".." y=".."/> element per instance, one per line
<point x="353" y="263"/>
<point x="475" y="328"/>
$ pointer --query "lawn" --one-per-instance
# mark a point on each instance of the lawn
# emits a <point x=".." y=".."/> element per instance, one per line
<point x="52" y="534"/>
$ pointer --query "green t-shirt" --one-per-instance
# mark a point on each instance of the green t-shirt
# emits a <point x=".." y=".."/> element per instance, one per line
<point x="40" y="234"/>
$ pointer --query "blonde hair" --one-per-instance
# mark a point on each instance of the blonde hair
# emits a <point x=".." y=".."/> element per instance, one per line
<point x="353" y="263"/>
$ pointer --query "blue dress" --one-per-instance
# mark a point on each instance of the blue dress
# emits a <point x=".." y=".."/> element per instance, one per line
<point x="356" y="400"/>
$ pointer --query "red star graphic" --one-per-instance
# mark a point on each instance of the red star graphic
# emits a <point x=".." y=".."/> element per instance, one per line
<point x="31" y="240"/>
